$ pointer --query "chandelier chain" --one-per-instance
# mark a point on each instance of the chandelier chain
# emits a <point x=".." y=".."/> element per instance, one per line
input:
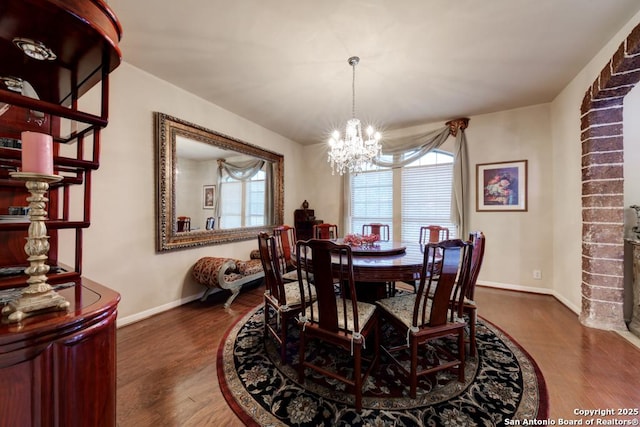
<point x="353" y="90"/>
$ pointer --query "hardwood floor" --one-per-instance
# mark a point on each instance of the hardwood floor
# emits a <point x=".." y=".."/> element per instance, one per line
<point x="167" y="371"/>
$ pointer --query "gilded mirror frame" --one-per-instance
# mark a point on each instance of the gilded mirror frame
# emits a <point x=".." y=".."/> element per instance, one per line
<point x="167" y="128"/>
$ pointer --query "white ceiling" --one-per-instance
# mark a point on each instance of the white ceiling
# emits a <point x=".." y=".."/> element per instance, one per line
<point x="283" y="63"/>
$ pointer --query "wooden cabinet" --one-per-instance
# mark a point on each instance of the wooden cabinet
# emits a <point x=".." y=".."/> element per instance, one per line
<point x="56" y="368"/>
<point x="304" y="220"/>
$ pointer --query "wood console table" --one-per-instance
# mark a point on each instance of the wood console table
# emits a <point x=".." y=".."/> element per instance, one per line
<point x="59" y="368"/>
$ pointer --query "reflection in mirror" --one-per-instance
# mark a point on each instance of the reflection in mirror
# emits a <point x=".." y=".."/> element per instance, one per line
<point x="213" y="188"/>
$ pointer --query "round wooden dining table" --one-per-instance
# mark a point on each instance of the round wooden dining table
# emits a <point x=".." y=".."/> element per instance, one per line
<point x="387" y="261"/>
<point x="382" y="263"/>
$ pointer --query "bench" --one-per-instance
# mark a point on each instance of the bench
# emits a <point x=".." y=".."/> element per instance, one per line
<point x="227" y="273"/>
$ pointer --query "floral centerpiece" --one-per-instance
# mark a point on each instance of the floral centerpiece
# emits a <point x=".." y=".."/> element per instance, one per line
<point x="361" y="239"/>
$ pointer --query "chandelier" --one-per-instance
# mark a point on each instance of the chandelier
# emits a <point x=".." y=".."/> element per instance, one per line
<point x="351" y="152"/>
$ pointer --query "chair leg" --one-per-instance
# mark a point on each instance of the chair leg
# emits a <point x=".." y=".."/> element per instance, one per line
<point x="301" y="358"/>
<point x="461" y="355"/>
<point x="376" y="341"/>
<point x="266" y="320"/>
<point x="357" y="375"/>
<point x="473" y="318"/>
<point x="283" y="338"/>
<point x="413" y="380"/>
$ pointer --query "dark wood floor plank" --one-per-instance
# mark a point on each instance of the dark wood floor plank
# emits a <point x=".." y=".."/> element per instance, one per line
<point x="167" y="363"/>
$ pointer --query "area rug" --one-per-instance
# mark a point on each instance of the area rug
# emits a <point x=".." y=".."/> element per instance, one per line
<point x="502" y="383"/>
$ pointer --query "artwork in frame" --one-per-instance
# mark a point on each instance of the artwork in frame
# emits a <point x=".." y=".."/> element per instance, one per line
<point x="501" y="186"/>
<point x="208" y="196"/>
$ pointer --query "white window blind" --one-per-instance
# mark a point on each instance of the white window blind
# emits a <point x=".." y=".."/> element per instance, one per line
<point x="231" y="208"/>
<point x="426" y="198"/>
<point x="371" y="199"/>
<point x="255" y="200"/>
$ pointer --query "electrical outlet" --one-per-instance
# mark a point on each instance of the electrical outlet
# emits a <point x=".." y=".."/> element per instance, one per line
<point x="537" y="274"/>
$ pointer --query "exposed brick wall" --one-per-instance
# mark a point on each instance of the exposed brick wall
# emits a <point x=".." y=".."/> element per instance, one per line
<point x="603" y="187"/>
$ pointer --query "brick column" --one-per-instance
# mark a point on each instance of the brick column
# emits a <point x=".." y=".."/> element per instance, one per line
<point x="603" y="187"/>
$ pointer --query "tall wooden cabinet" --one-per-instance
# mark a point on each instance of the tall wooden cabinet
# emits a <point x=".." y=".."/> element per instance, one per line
<point x="303" y="221"/>
<point x="56" y="368"/>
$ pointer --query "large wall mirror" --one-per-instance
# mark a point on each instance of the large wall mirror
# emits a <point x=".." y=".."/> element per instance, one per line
<point x="212" y="188"/>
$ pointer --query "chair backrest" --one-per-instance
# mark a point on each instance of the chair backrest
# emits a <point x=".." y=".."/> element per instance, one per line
<point x="273" y="282"/>
<point x="285" y="238"/>
<point x="440" y="269"/>
<point x="477" y="240"/>
<point x="325" y="231"/>
<point x="331" y="265"/>
<point x="381" y="230"/>
<point x="210" y="223"/>
<point x="184" y="223"/>
<point x="433" y="234"/>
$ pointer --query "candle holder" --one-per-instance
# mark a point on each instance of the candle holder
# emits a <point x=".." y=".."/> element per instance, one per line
<point x="39" y="296"/>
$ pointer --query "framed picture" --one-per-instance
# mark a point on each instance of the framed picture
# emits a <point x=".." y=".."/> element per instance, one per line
<point x="208" y="196"/>
<point x="501" y="186"/>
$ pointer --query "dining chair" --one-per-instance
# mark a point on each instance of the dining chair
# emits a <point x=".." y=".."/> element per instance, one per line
<point x="425" y="316"/>
<point x="325" y="231"/>
<point x="467" y="290"/>
<point x="336" y="318"/>
<point x="285" y="239"/>
<point x="184" y="223"/>
<point x="381" y="230"/>
<point x="282" y="301"/>
<point x="433" y="234"/>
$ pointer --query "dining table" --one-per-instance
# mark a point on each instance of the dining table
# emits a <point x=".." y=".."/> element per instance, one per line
<point x="384" y="262"/>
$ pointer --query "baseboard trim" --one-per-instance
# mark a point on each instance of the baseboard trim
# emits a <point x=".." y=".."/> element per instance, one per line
<point x="155" y="310"/>
<point x="533" y="290"/>
<point x="505" y="286"/>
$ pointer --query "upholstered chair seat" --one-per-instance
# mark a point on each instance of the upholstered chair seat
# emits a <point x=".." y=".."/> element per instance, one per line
<point x="365" y="312"/>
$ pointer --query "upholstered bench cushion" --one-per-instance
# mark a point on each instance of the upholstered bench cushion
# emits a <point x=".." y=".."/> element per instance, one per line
<point x="226" y="273"/>
<point x="247" y="268"/>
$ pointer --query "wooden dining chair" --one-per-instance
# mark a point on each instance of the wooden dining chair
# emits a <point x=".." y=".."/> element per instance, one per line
<point x="381" y="230"/>
<point x="465" y="298"/>
<point x="184" y="223"/>
<point x="425" y="316"/>
<point x="342" y="322"/>
<point x="325" y="231"/>
<point x="433" y="234"/>
<point x="285" y="239"/>
<point x="282" y="301"/>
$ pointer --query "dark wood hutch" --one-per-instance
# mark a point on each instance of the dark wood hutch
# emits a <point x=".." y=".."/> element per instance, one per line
<point x="303" y="221"/>
<point x="58" y="368"/>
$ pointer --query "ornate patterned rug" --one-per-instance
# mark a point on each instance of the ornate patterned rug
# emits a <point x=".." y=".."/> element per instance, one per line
<point x="502" y="382"/>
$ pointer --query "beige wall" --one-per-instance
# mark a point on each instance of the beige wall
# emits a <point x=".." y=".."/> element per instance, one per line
<point x="567" y="154"/>
<point x="517" y="242"/>
<point x="119" y="247"/>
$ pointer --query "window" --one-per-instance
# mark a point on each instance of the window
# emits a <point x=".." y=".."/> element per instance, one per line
<point x="423" y="196"/>
<point x="427" y="187"/>
<point x="372" y="199"/>
<point x="243" y="201"/>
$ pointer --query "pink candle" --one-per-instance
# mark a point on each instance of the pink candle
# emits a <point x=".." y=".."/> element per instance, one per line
<point x="37" y="153"/>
